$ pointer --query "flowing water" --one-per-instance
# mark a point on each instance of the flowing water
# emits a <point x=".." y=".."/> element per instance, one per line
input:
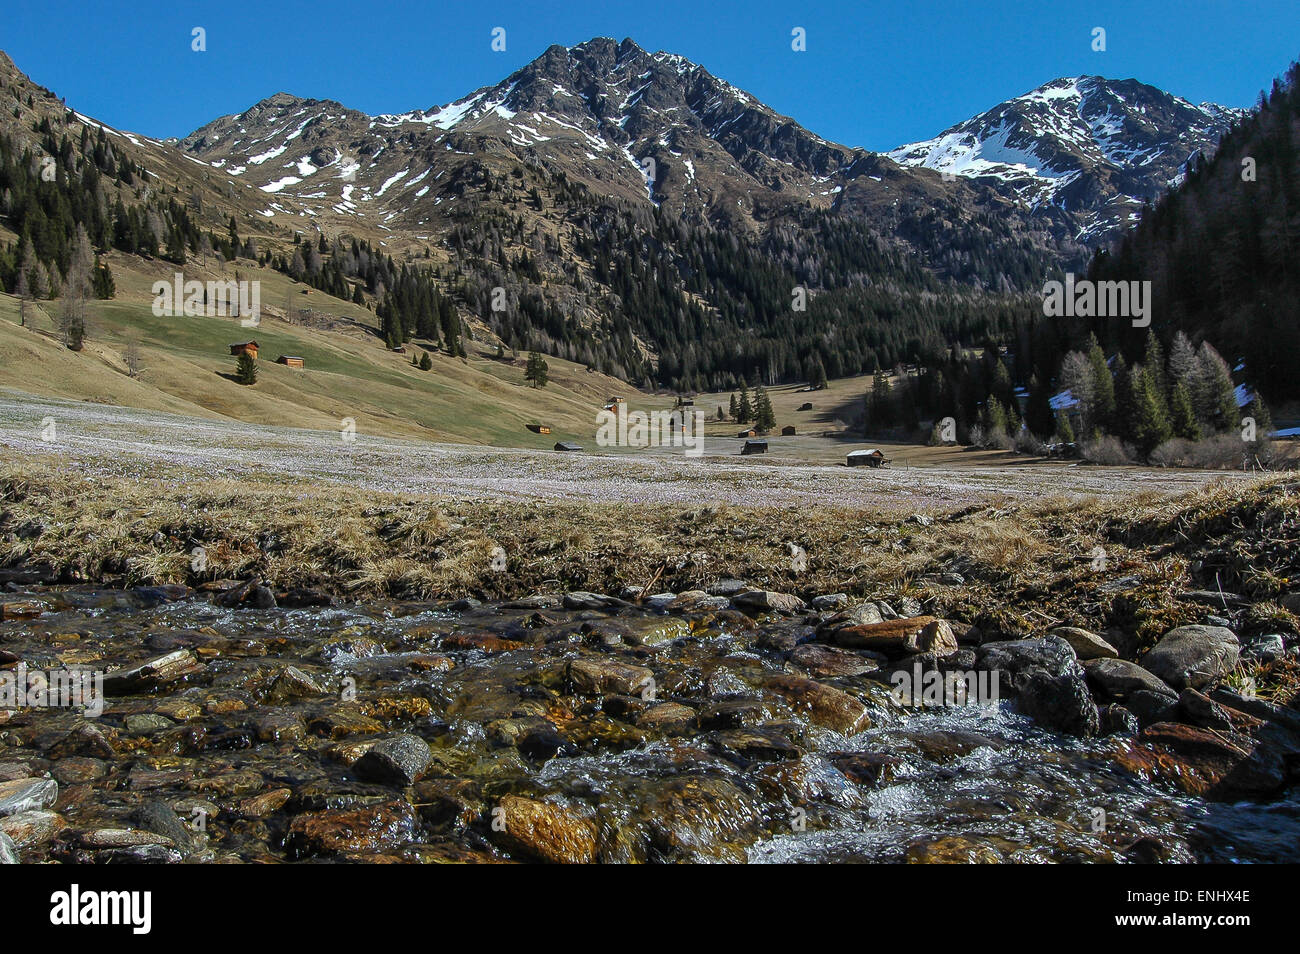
<point x="706" y="761"/>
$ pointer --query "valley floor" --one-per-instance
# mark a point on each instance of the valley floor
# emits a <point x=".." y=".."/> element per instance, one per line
<point x="109" y="440"/>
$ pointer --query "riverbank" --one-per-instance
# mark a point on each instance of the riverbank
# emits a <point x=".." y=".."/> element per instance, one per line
<point x="301" y="670"/>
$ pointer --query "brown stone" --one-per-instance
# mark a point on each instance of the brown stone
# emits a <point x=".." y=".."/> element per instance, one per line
<point x="823" y="705"/>
<point x="547" y="832"/>
<point x="920" y="634"/>
<point x="264" y="804"/>
<point x="488" y="644"/>
<point x="30" y="829"/>
<point x="1204" y="762"/>
<point x="594" y="677"/>
<point x="363" y="828"/>
<point x="21" y="610"/>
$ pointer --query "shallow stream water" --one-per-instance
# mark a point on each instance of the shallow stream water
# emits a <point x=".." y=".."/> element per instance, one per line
<point x="704" y="761"/>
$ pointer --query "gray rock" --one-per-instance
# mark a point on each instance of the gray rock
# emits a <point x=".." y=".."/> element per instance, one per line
<point x="581" y="600"/>
<point x="537" y="601"/>
<point x="830" y="601"/>
<point x="908" y="607"/>
<point x="397" y="760"/>
<point x="860" y="614"/>
<point x="728" y="588"/>
<point x="1152" y="707"/>
<point x="1051" y="654"/>
<point x="1059" y="703"/>
<point x="157" y="816"/>
<point x="1086" y="645"/>
<point x="660" y="601"/>
<point x="768" y="601"/>
<point x="8" y="851"/>
<point x="1119" y="679"/>
<point x="1196" y="656"/>
<point x="1116" y="720"/>
<point x="27" y="795"/>
<point x="155" y="672"/>
<point x="146" y="723"/>
<point x="1265" y="648"/>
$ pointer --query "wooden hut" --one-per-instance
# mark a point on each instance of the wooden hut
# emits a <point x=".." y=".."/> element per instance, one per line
<point x="867" y="458"/>
<point x="749" y="433"/>
<point x="291" y="361"/>
<point x="567" y="446"/>
<point x="539" y="428"/>
<point x="787" y="431"/>
<point x="754" y="447"/>
<point x="806" y="406"/>
<point x="244" y="347"/>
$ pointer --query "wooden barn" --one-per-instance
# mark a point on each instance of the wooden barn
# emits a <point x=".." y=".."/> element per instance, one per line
<point x="749" y="433"/>
<point x="539" y="428"/>
<point x="806" y="406"/>
<point x="244" y="347"/>
<point x="291" y="361"/>
<point x="754" y="447"/>
<point x="400" y="349"/>
<point x="867" y="458"/>
<point x="568" y="446"/>
<point x="787" y="431"/>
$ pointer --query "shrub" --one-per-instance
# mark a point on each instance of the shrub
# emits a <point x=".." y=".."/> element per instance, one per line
<point x="1027" y="443"/>
<point x="1107" y="450"/>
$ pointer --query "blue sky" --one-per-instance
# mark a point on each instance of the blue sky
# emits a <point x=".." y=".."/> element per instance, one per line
<point x="875" y="74"/>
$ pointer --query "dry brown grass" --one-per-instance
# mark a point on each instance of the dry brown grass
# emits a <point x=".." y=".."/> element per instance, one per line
<point x="1029" y="566"/>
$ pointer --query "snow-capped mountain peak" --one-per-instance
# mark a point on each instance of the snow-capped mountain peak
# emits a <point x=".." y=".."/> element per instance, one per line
<point x="1096" y="147"/>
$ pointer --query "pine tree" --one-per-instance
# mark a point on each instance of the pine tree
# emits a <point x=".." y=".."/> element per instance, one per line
<point x="1151" y="426"/>
<point x="245" y="369"/>
<point x="1104" y="387"/>
<point x="745" y="413"/>
<point x="1182" y="416"/>
<point x="764" y="417"/>
<point x="1217" y="396"/>
<point x="105" y="287"/>
<point x="537" y="371"/>
<point x="995" y="417"/>
<point x="426" y="363"/>
<point x="734" y="408"/>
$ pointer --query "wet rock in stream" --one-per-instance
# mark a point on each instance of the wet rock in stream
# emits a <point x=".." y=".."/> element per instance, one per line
<point x="729" y="723"/>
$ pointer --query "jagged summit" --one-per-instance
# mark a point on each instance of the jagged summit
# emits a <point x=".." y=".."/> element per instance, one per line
<point x="1096" y="147"/>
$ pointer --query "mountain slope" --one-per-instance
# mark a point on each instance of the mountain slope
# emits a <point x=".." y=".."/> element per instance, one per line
<point x="1222" y="250"/>
<point x="1097" y="148"/>
<point x="617" y="208"/>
